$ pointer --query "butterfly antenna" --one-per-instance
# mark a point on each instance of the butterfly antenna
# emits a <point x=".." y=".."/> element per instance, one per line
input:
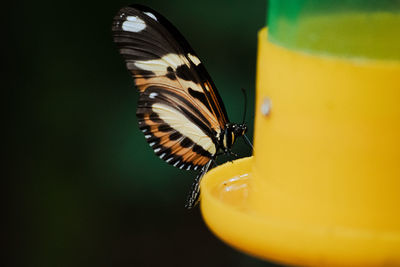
<point x="247" y="140"/>
<point x="245" y="104"/>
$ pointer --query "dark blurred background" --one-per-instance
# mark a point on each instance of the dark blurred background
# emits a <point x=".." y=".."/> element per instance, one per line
<point x="85" y="189"/>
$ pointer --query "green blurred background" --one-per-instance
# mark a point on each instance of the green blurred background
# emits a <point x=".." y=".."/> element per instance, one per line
<point x="85" y="188"/>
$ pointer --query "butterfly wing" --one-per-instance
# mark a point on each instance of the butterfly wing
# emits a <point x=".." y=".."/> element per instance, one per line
<point x="180" y="110"/>
<point x="165" y="121"/>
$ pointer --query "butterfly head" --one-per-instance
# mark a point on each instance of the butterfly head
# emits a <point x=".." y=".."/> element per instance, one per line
<point x="239" y="130"/>
<point x="231" y="133"/>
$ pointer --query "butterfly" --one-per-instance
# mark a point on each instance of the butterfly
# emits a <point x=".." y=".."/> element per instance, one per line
<point x="179" y="110"/>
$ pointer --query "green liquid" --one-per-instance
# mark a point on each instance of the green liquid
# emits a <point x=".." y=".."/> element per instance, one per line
<point x="373" y="35"/>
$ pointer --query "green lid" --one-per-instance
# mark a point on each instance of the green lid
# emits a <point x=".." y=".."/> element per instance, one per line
<point x="349" y="28"/>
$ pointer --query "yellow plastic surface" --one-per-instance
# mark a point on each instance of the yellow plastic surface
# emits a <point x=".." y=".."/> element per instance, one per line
<point x="323" y="186"/>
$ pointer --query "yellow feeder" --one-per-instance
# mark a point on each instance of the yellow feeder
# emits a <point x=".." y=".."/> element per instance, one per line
<point x="323" y="186"/>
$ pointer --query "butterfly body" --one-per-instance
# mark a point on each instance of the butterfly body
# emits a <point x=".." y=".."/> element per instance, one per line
<point x="179" y="110"/>
<point x="232" y="132"/>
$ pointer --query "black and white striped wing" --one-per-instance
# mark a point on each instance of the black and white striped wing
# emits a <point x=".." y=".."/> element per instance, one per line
<point x="180" y="110"/>
<point x="167" y="127"/>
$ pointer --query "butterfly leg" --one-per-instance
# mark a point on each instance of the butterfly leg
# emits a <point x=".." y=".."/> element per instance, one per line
<point x="230" y="152"/>
<point x="215" y="163"/>
<point x="194" y="193"/>
<point x="234" y="154"/>
<point x="247" y="141"/>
